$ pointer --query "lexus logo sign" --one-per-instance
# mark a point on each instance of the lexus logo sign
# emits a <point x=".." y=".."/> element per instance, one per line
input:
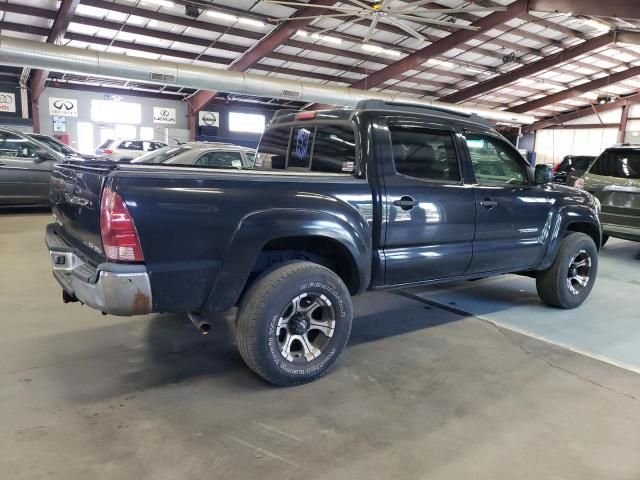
<point x="208" y="119"/>
<point x="7" y="102"/>
<point x="63" y="107"/>
<point x="164" y="115"/>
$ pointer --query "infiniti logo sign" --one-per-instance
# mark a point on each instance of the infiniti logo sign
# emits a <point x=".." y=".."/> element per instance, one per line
<point x="63" y="105"/>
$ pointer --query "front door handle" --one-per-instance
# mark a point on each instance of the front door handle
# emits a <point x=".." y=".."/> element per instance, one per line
<point x="3" y="164"/>
<point x="405" y="202"/>
<point x="488" y="203"/>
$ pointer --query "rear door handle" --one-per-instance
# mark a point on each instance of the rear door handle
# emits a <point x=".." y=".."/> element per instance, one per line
<point x="488" y="203"/>
<point x="405" y="202"/>
<point x="3" y="164"/>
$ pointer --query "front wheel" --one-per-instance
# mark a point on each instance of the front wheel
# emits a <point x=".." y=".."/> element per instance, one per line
<point x="569" y="280"/>
<point x="293" y="323"/>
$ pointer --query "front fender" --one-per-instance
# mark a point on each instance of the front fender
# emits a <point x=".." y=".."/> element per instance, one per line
<point x="256" y="229"/>
<point x="565" y="217"/>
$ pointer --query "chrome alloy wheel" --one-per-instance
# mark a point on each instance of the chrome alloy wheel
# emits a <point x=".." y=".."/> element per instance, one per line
<point x="579" y="271"/>
<point x="305" y="327"/>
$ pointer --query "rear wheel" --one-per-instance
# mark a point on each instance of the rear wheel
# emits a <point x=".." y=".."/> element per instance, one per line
<point x="569" y="280"/>
<point x="293" y="323"/>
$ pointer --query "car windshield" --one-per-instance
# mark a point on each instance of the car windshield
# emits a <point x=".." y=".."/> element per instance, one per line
<point x="619" y="163"/>
<point x="54" y="144"/>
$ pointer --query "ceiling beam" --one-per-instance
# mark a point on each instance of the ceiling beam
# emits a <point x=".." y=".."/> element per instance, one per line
<point x="61" y="22"/>
<point x="484" y="24"/>
<point x="593" y="8"/>
<point x="530" y="69"/>
<point x="277" y="37"/>
<point x="577" y="90"/>
<point x="580" y="113"/>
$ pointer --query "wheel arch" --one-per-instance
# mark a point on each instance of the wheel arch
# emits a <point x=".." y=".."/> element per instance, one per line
<point x="343" y="242"/>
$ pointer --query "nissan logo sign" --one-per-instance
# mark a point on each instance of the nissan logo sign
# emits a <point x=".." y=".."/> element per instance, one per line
<point x="63" y="105"/>
<point x="209" y="119"/>
<point x="6" y="99"/>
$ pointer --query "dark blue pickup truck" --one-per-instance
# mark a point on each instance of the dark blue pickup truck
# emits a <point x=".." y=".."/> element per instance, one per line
<point x="338" y="202"/>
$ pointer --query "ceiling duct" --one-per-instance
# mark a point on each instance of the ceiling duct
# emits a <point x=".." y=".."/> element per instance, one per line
<point x="27" y="53"/>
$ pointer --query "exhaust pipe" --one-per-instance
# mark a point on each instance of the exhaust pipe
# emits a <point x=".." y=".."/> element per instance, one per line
<point x="28" y="53"/>
<point x="201" y="324"/>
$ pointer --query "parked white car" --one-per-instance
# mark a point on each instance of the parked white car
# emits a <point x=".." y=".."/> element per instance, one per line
<point x="127" y="150"/>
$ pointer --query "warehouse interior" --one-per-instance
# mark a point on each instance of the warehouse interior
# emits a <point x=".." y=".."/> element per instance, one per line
<point x="475" y="376"/>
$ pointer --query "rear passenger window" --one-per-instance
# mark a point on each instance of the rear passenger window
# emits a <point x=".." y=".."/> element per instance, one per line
<point x="424" y="154"/>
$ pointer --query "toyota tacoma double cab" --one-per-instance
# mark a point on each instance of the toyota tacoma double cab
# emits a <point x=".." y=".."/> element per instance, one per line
<point x="384" y="195"/>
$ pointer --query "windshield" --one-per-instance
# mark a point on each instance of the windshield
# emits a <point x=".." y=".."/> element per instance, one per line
<point x="54" y="144"/>
<point x="623" y="163"/>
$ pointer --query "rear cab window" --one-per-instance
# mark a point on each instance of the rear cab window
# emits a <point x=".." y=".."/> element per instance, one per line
<point x="308" y="148"/>
<point x="131" y="145"/>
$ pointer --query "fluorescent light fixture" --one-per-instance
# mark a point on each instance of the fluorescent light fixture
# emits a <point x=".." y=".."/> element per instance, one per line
<point x="317" y="36"/>
<point x="301" y="33"/>
<point x="474" y="69"/>
<point x="250" y="21"/>
<point x="441" y="63"/>
<point x="372" y="48"/>
<point x="222" y="15"/>
<point x="597" y="24"/>
<point x="378" y="49"/>
<point x="162" y="3"/>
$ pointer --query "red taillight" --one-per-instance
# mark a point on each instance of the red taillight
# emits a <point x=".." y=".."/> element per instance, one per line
<point x="306" y="116"/>
<point x="119" y="236"/>
<point x="107" y="151"/>
<point x="556" y="167"/>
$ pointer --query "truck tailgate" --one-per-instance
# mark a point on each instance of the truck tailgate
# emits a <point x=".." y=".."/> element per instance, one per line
<point x="75" y="203"/>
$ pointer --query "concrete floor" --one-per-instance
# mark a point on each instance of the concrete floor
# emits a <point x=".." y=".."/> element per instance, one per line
<point x="420" y="393"/>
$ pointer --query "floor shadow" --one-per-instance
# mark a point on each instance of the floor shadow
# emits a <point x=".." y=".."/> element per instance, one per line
<point x="175" y="352"/>
<point x="24" y="210"/>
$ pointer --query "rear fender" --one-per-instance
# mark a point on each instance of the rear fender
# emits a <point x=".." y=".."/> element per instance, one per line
<point x="258" y="228"/>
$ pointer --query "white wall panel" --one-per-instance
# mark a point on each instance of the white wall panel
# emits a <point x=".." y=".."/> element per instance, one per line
<point x="554" y="144"/>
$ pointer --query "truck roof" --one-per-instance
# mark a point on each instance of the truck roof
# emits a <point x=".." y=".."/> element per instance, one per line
<point x="288" y="116"/>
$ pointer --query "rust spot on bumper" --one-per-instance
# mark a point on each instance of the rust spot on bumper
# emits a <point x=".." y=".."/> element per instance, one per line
<point x="141" y="303"/>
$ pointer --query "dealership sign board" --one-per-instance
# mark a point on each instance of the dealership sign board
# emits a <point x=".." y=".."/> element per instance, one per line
<point x="208" y="119"/>
<point x="63" y="107"/>
<point x="164" y="115"/>
<point x="7" y="102"/>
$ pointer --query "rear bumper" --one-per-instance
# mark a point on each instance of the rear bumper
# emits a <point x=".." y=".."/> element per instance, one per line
<point x="117" y="289"/>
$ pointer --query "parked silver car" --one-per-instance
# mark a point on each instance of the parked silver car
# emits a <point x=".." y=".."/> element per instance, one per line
<point x="127" y="150"/>
<point x="614" y="178"/>
<point x="202" y="154"/>
<point x="25" y="169"/>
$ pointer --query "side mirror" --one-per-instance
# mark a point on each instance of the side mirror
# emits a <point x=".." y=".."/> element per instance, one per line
<point x="543" y="174"/>
<point x="43" y="156"/>
<point x="236" y="163"/>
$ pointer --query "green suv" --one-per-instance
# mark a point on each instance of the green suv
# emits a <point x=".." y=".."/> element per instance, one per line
<point x="614" y="178"/>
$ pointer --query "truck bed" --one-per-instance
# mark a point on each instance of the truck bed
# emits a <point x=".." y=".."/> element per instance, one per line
<point x="189" y="220"/>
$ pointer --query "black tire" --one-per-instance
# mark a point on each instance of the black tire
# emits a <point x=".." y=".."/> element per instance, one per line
<point x="275" y="297"/>
<point x="554" y="285"/>
<point x="605" y="238"/>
